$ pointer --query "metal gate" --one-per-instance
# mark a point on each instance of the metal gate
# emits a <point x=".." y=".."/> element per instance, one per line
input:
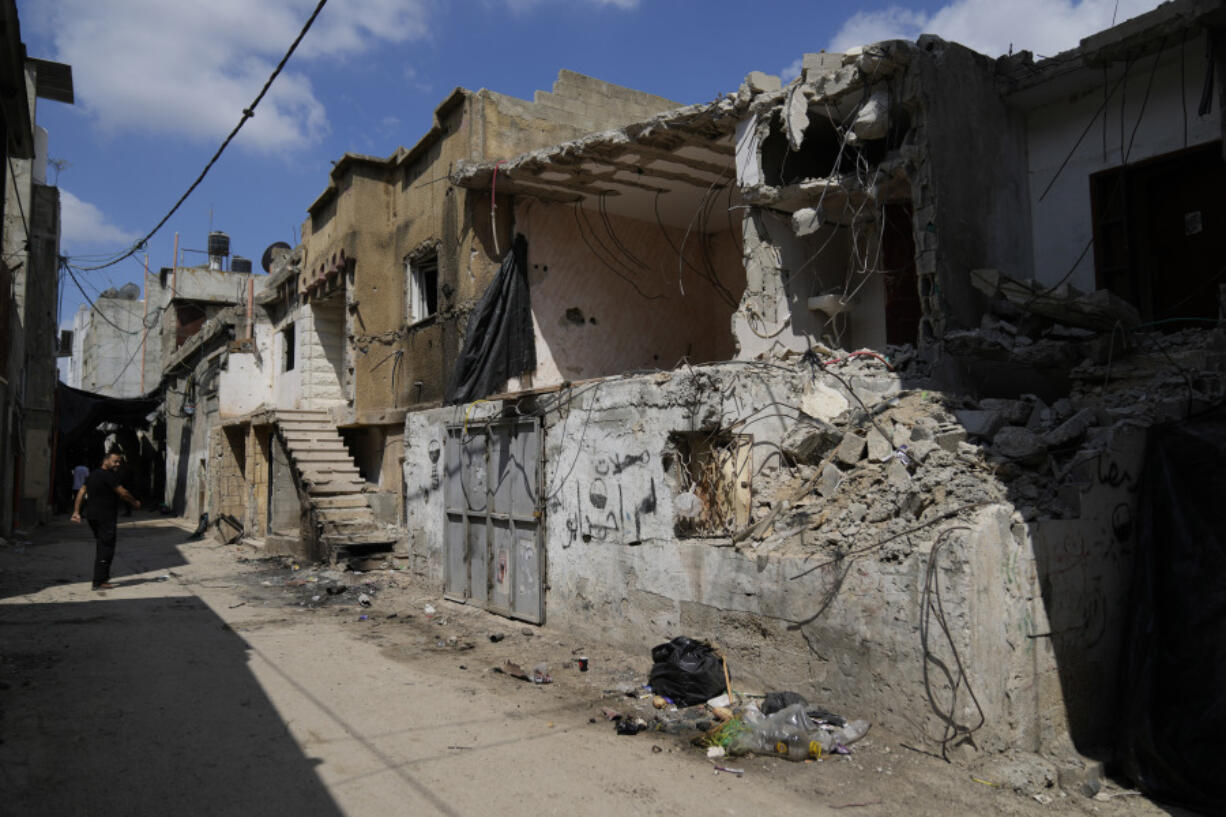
<point x="494" y="517"/>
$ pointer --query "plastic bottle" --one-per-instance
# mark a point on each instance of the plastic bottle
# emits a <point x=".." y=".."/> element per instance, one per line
<point x="787" y="733"/>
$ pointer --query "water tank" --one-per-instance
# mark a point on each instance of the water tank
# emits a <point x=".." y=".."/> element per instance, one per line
<point x="219" y="250"/>
<point x="240" y="264"/>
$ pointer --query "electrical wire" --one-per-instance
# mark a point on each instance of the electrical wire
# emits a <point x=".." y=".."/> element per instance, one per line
<point x="248" y="112"/>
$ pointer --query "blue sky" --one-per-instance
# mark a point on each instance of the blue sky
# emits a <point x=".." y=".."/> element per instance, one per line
<point x="160" y="82"/>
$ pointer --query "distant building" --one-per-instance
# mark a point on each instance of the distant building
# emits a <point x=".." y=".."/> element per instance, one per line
<point x="112" y="352"/>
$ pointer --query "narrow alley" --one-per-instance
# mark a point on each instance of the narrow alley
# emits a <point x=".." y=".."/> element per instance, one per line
<point x="213" y="685"/>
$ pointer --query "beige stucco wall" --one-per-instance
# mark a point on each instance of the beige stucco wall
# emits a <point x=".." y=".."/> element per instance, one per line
<point x="602" y="306"/>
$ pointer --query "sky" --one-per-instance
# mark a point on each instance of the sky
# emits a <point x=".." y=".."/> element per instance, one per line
<point x="159" y="84"/>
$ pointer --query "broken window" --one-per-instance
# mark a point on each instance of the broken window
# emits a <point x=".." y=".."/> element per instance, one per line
<point x="287" y="348"/>
<point x="1157" y="237"/>
<point x="714" y="468"/>
<point x="422" y="274"/>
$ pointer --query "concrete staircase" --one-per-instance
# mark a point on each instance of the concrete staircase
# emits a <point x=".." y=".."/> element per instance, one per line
<point x="345" y="523"/>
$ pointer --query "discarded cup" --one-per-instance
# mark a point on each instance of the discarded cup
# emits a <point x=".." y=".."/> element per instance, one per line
<point x="582" y="664"/>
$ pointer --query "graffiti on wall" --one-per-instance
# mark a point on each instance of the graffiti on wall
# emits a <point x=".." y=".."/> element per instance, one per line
<point x="611" y="507"/>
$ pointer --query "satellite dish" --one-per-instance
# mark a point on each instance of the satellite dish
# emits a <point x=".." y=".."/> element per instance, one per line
<point x="273" y="252"/>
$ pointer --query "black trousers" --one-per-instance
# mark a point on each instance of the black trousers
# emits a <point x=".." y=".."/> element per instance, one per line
<point x="104" y="539"/>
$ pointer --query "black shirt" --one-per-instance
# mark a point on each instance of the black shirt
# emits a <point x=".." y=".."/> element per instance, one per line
<point x="103" y="505"/>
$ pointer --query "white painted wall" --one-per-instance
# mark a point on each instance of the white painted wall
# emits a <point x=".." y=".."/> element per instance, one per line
<point x="1062" y="220"/>
<point x="286" y="390"/>
<point x="246" y="383"/>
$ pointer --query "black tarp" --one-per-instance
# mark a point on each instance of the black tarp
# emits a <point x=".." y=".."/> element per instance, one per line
<point x="79" y="412"/>
<point x="499" y="342"/>
<point x="1173" y="713"/>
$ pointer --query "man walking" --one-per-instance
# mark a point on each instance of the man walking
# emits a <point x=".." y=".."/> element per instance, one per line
<point x="104" y="492"/>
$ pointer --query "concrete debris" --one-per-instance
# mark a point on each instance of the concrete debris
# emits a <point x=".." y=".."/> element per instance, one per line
<point x="828" y="482"/>
<point x="1072" y="429"/>
<point x="806" y="221"/>
<point x="980" y="423"/>
<point x="950" y="438"/>
<point x="851" y="449"/>
<point x="760" y="82"/>
<point x="872" y="120"/>
<point x="1018" y="443"/>
<point x="810" y="440"/>
<point x="880" y="449"/>
<point x="1101" y="309"/>
<point x="796" y="116"/>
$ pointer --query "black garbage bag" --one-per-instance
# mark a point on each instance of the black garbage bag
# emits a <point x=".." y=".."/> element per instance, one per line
<point x="781" y="700"/>
<point x="1173" y="718"/>
<point x="686" y="671"/>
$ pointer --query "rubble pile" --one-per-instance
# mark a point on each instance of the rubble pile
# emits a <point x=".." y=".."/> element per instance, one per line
<point x="899" y="459"/>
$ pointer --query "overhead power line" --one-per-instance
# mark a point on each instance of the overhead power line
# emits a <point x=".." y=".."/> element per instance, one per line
<point x="248" y="112"/>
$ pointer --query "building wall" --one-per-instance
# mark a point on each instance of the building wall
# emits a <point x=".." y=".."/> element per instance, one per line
<point x="246" y="382"/>
<point x="600" y="311"/>
<point x="1062" y="220"/>
<point x="112" y="337"/>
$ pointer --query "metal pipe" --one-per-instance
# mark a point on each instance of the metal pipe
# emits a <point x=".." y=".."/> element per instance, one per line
<point x="250" y="304"/>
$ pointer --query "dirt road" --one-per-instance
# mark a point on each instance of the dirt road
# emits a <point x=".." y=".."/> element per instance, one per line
<point x="213" y="682"/>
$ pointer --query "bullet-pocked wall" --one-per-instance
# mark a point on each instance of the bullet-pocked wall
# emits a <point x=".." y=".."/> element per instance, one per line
<point x="612" y="294"/>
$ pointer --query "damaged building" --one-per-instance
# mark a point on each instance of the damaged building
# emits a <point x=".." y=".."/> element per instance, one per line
<point x="853" y="376"/>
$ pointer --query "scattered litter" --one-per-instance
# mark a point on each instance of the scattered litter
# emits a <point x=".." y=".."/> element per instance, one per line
<point x="240" y="604"/>
<point x="611" y="714"/>
<point x="165" y="577"/>
<point x="582" y="664"/>
<point x="429" y="610"/>
<point x="363" y="618"/>
<point x="630" y="727"/>
<point x="737" y="772"/>
<point x="714" y="752"/>
<point x="363" y="599"/>
<point x="496" y="637"/>
<point x="687" y="671"/>
<point x="540" y="674"/>
<point x="655" y="749"/>
<point x="316" y="598"/>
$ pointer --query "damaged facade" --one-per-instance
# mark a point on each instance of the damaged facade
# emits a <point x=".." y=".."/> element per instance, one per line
<point x="646" y="422"/>
<point x="29" y="281"/>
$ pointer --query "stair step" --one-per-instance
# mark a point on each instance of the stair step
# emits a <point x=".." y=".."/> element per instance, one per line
<point x="316" y="444"/>
<point x="309" y="426"/>
<point x="327" y="470"/>
<point x="337" y="503"/>
<point x="335" y="488"/>
<point x="373" y="537"/>
<point x="321" y="457"/>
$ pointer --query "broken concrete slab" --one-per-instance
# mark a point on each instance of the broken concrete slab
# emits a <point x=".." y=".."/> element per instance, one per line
<point x="920" y="450"/>
<point x="851" y="449"/>
<point x="1015" y="412"/>
<point x="829" y="480"/>
<point x="872" y="120"/>
<point x="814" y="65"/>
<point x="898" y="475"/>
<point x="1074" y="428"/>
<point x="1020" y="444"/>
<point x="806" y="220"/>
<point x="950" y="437"/>
<point x="810" y="440"/>
<point x="796" y="116"/>
<point x="1100" y="309"/>
<point x="880" y="449"/>
<point x="980" y="422"/>
<point x="761" y="82"/>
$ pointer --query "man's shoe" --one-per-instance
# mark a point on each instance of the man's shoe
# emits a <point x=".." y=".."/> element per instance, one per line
<point x="105" y="586"/>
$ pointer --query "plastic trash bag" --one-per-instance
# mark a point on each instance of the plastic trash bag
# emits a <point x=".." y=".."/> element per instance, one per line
<point x="687" y="671"/>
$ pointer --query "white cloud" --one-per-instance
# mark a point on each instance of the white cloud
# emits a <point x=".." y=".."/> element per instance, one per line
<point x="83" y="224"/>
<point x="1045" y="27"/>
<point x="520" y="6"/>
<point x="190" y="68"/>
<point x="792" y="70"/>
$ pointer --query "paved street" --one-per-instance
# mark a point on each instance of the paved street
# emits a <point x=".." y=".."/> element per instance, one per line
<point x="202" y="686"/>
